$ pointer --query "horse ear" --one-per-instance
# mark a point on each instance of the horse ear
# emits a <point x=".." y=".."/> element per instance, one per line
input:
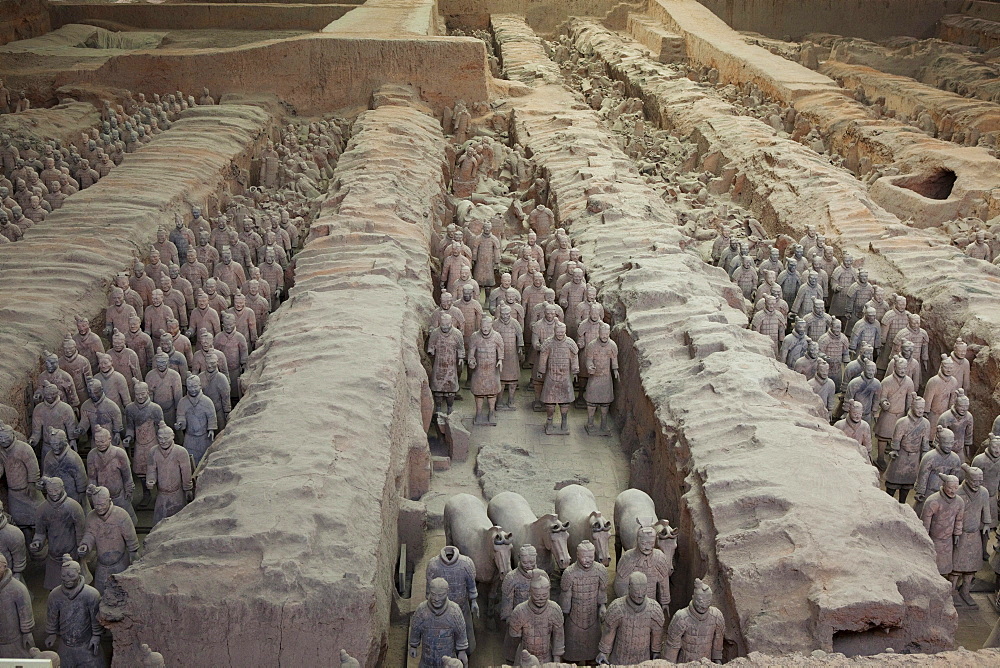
<point x="565" y="525"/>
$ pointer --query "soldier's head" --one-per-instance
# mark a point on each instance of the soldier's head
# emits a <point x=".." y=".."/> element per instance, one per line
<point x="701" y="598"/>
<point x="637" y="585"/>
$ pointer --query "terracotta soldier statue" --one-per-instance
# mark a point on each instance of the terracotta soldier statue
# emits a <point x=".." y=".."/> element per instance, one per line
<point x="645" y="558"/>
<point x="943" y="516"/>
<point x="513" y="351"/>
<point x="864" y="388"/>
<point x="538" y="622"/>
<point x="234" y="348"/>
<point x="910" y="440"/>
<point x="601" y="360"/>
<point x="970" y="552"/>
<point x="833" y="345"/>
<point x="794" y="345"/>
<point x="71" y="621"/>
<point x="98" y="409"/>
<point x="841" y="280"/>
<point x="169" y="471"/>
<point x="895" y="391"/>
<point x="893" y="322"/>
<point x="215" y="386"/>
<point x="203" y="317"/>
<point x="513" y="592"/>
<point x="447" y="306"/>
<point x="108" y="466"/>
<point x="13" y="547"/>
<point x="109" y="532"/>
<point x="123" y="359"/>
<point x="587" y="330"/>
<point x="58" y="377"/>
<point x="77" y="366"/>
<point x="918" y="335"/>
<point x="806" y="365"/>
<point x="963" y="371"/>
<point x="52" y="413"/>
<point x="807" y="294"/>
<point x="173" y="299"/>
<point x="497" y="294"/>
<point x="941" y="390"/>
<point x="910" y="364"/>
<point x="858" y="294"/>
<point x="879" y="303"/>
<point x="959" y="421"/>
<point x="196" y="418"/>
<point x="866" y="330"/>
<point x="16" y="617"/>
<point x="459" y="571"/>
<point x="633" y="626"/>
<point x="938" y="461"/>
<point x="438" y="629"/>
<point x="988" y="462"/>
<point x="770" y="322"/>
<point x="118" y="312"/>
<point x="164" y="386"/>
<point x="854" y="426"/>
<point x="696" y="632"/>
<point x="140" y="343"/>
<point x="447" y="346"/>
<point x="60" y="524"/>
<point x="175" y="358"/>
<point x="114" y="384"/>
<point x="558" y="364"/>
<point x="824" y="388"/>
<point x="485" y="358"/>
<point x="19" y="466"/>
<point x="142" y="417"/>
<point x="583" y="587"/>
<point x="485" y="256"/>
<point x="63" y="463"/>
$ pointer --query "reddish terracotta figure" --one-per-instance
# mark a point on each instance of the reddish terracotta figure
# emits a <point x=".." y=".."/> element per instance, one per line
<point x="583" y="587"/>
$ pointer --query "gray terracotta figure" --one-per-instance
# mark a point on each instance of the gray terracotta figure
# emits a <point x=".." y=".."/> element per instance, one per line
<point x="941" y="390"/>
<point x="447" y="306"/>
<point x="99" y="410"/>
<point x="459" y="571"/>
<point x="77" y="366"/>
<point x="958" y="419"/>
<point x="203" y="317"/>
<point x="19" y="467"/>
<point x="196" y="418"/>
<point x="485" y="256"/>
<point x="806" y="365"/>
<point x="123" y="359"/>
<point x="824" y="388"/>
<point x="834" y="347"/>
<point x="60" y="524"/>
<point x="893" y="322"/>
<point x="109" y="533"/>
<point x="943" y="516"/>
<point x="558" y="364"/>
<point x="645" y="558"/>
<point x="818" y="321"/>
<point x="437" y="628"/>
<point x="854" y="426"/>
<point x="51" y="413"/>
<point x="142" y="418"/>
<point x="234" y="349"/>
<point x="600" y="358"/>
<point x="513" y="592"/>
<point x="842" y="278"/>
<point x="71" y="620"/>
<point x="513" y="352"/>
<point x="497" y="294"/>
<point x="13" y="546"/>
<point x="938" y="461"/>
<point x="963" y="371"/>
<point x="988" y="462"/>
<point x="770" y="322"/>
<point x="64" y="463"/>
<point x="583" y="594"/>
<point x="447" y="346"/>
<point x="587" y="330"/>
<point x="16" y="617"/>
<point x="58" y="377"/>
<point x="118" y="312"/>
<point x="173" y="299"/>
<point x="970" y="552"/>
<point x="633" y="626"/>
<point x="486" y="359"/>
<point x="910" y="440"/>
<point x="175" y="358"/>
<point x="164" y="386"/>
<point x="109" y="467"/>
<point x="857" y="365"/>
<point x="858" y="294"/>
<point x="895" y="392"/>
<point x="140" y="342"/>
<point x="113" y="383"/>
<point x="864" y="388"/>
<point x="793" y="346"/>
<point x="216" y="387"/>
<point x="538" y="622"/>
<point x="697" y="632"/>
<point x="169" y="471"/>
<point x="807" y="294"/>
<point x="979" y="249"/>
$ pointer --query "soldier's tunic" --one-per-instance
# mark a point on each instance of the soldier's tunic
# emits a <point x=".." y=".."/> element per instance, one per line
<point x="215" y="386"/>
<point x="70" y="469"/>
<point x="111" y="469"/>
<point x="448" y="350"/>
<point x="697" y="636"/>
<point x="540" y="629"/>
<point x="600" y="359"/>
<point x="486" y="255"/>
<point x="72" y="615"/>
<point x="64" y="381"/>
<point x="88" y="346"/>
<point x="165" y="390"/>
<point x="910" y="439"/>
<point x="115" y="387"/>
<point x="57" y="415"/>
<point x="943" y="519"/>
<point x="112" y="538"/>
<point x="141" y="344"/>
<point x="897" y="393"/>
<point x="20" y="466"/>
<point x="583" y="592"/>
<point x="13" y="548"/>
<point x="513" y="340"/>
<point x="233" y="346"/>
<point x="513" y="592"/>
<point x="198" y="414"/>
<point x="960" y="425"/>
<point x="61" y="524"/>
<point x="893" y="322"/>
<point x="836" y="349"/>
<point x="460" y="573"/>
<point x="141" y="421"/>
<point x="932" y="466"/>
<point x="126" y="362"/>
<point x="103" y="412"/>
<point x="439" y="634"/>
<point x="772" y="325"/>
<point x="968" y="554"/>
<point x="457" y="317"/>
<point x="558" y="362"/>
<point x="171" y="473"/>
<point x="486" y="351"/>
<point x="631" y="632"/>
<point x="860" y="432"/>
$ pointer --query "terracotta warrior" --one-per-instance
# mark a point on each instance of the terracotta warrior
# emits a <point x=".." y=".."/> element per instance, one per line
<point x="51" y="413"/>
<point x="58" y="377"/>
<point x="911" y="367"/>
<point x="854" y="426"/>
<point x="439" y="627"/>
<point x="864" y="388"/>
<point x="895" y="391"/>
<point x="109" y="533"/>
<point x="123" y="359"/>
<point x="794" y="345"/>
<point x="485" y="256"/>
<point x="806" y="365"/>
<point x="142" y="417"/>
<point x="645" y="558"/>
<point x="633" y="626"/>
<point x="235" y="350"/>
<point x="858" y="294"/>
<point x="170" y="472"/>
<point x="696" y="632"/>
<point x="215" y="386"/>
<point x="164" y="386"/>
<point x="114" y="384"/>
<point x="140" y="343"/>
<point x="12" y="547"/>
<point x="118" y="312"/>
<point x="917" y="335"/>
<point x="60" y="524"/>
<point x="64" y="463"/>
<point x="941" y="390"/>
<point x="538" y="622"/>
<point x="513" y="592"/>
<point x="963" y="372"/>
<point x="485" y="358"/>
<point x="77" y="366"/>
<point x="866" y="330"/>
<point x="959" y="421"/>
<point x="988" y="462"/>
<point x="16" y="617"/>
<point x="558" y="364"/>
<point x="447" y="346"/>
<point x="600" y="358"/>
<point x="583" y="587"/>
<point x="513" y="351"/>
<point x="459" y="571"/>
<point x="943" y="516"/>
<point x="893" y="322"/>
<point x="196" y="418"/>
<point x="770" y="322"/>
<point x="970" y="552"/>
<point x="833" y="345"/>
<point x="938" y="461"/>
<point x="71" y="625"/>
<point x="979" y="248"/>
<point x="19" y="466"/>
<point x="824" y="388"/>
<point x="910" y="440"/>
<point x="108" y="466"/>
